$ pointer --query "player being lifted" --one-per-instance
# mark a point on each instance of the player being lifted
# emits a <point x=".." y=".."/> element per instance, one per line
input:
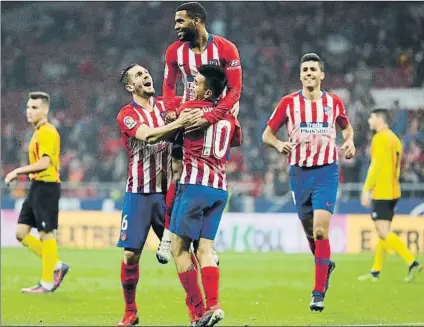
<point x="311" y="116"/>
<point x="195" y="47"/>
<point x="383" y="181"/>
<point x="143" y="131"/>
<point x="202" y="196"/>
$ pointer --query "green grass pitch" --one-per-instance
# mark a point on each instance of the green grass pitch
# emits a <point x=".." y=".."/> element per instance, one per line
<point x="256" y="289"/>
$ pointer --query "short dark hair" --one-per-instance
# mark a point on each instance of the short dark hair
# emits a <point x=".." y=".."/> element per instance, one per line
<point x="194" y="9"/>
<point x="382" y="113"/>
<point x="45" y="97"/>
<point x="123" y="75"/>
<point x="312" y="57"/>
<point x="215" y="78"/>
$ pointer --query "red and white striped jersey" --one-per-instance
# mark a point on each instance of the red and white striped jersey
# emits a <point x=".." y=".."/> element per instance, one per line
<point x="182" y="61"/>
<point x="205" y="152"/>
<point x="149" y="167"/>
<point x="312" y="126"/>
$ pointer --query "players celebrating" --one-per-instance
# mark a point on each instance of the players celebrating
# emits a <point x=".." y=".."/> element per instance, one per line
<point x="201" y="198"/>
<point x="311" y="116"/>
<point x="143" y="131"/>
<point x="41" y="207"/>
<point x="383" y="181"/>
<point x="195" y="47"/>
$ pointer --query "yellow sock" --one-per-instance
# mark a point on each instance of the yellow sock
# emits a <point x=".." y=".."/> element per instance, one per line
<point x="49" y="259"/>
<point x="380" y="256"/>
<point x="397" y="245"/>
<point x="33" y="243"/>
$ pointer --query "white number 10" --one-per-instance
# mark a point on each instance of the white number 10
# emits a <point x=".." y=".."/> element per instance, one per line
<point x="213" y="137"/>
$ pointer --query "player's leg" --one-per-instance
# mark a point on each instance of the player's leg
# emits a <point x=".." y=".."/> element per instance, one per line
<point x="164" y="252"/>
<point x="205" y="255"/>
<point x="383" y="212"/>
<point x="324" y="197"/>
<point x="135" y="226"/>
<point x="186" y="225"/>
<point x="45" y="206"/>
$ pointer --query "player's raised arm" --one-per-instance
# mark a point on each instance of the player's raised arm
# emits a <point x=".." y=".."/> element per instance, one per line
<point x="233" y="72"/>
<point x="278" y="118"/>
<point x="169" y="82"/>
<point x="137" y="128"/>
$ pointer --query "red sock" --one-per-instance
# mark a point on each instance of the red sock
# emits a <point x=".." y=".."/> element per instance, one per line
<point x="190" y="307"/>
<point x="194" y="297"/>
<point x="210" y="281"/>
<point x="129" y="279"/>
<point x="169" y="202"/>
<point x="322" y="260"/>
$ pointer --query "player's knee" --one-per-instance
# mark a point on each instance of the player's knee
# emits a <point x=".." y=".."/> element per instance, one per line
<point x="204" y="251"/>
<point x="176" y="249"/>
<point x="21" y="233"/>
<point x="382" y="234"/>
<point x="131" y="257"/>
<point x="320" y="233"/>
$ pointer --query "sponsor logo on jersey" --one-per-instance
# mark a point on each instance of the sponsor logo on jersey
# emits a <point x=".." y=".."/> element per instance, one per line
<point x="233" y="64"/>
<point x="214" y="62"/>
<point x="314" y="128"/>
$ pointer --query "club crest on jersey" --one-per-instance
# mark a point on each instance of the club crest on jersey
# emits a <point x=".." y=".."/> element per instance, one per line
<point x="214" y="62"/>
<point x="163" y="114"/>
<point x="327" y="110"/>
<point x="129" y="122"/>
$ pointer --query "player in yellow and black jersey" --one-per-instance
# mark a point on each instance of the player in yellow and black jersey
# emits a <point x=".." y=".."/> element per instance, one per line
<point x="41" y="207"/>
<point x="381" y="191"/>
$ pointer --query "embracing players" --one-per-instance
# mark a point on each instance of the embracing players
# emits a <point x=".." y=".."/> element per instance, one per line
<point x="202" y="196"/>
<point x="195" y="47"/>
<point x="143" y="130"/>
<point x="311" y="116"/>
<point x="382" y="186"/>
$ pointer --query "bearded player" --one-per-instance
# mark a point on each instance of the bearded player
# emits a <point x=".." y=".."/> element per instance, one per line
<point x="143" y="131"/>
<point x="201" y="198"/>
<point x="311" y="116"/>
<point x="195" y="47"/>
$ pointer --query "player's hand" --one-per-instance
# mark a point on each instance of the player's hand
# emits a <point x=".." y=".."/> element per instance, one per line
<point x="235" y="109"/>
<point x="349" y="149"/>
<point x="366" y="199"/>
<point x="189" y="117"/>
<point x="285" y="147"/>
<point x="170" y="116"/>
<point x="199" y="124"/>
<point x="11" y="177"/>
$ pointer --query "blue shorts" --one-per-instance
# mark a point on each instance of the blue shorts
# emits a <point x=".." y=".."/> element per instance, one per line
<point x="139" y="213"/>
<point x="314" y="188"/>
<point x="197" y="211"/>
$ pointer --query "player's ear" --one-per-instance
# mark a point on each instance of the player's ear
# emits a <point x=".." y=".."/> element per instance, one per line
<point x="129" y="88"/>
<point x="322" y="76"/>
<point x="208" y="94"/>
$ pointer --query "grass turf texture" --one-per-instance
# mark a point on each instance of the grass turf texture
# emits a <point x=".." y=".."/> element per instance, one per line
<point x="256" y="289"/>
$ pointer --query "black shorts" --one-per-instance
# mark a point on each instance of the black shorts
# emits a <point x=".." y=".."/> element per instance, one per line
<point x="177" y="146"/>
<point x="41" y="207"/>
<point x="383" y="209"/>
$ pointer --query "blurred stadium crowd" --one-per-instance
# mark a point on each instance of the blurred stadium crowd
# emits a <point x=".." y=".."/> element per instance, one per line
<point x="75" y="50"/>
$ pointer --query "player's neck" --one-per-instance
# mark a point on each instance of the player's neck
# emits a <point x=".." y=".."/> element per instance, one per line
<point x="312" y="95"/>
<point x="201" y="41"/>
<point x="143" y="101"/>
<point x="381" y="128"/>
<point x="39" y="123"/>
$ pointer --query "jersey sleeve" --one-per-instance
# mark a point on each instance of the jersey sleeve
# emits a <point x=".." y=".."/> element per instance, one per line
<point x="377" y="161"/>
<point x="342" y="119"/>
<point x="279" y="116"/>
<point x="233" y="71"/>
<point x="129" y="122"/>
<point x="47" y="139"/>
<point x="170" y="79"/>
<point x="237" y="138"/>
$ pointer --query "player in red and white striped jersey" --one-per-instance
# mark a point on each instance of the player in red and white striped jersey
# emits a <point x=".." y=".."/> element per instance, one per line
<point x="143" y="131"/>
<point x="195" y="47"/>
<point x="201" y="199"/>
<point x="311" y="117"/>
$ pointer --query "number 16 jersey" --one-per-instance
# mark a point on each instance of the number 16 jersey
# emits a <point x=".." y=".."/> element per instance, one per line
<point x="205" y="151"/>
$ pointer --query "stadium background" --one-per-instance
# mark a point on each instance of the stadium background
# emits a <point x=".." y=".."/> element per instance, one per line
<point x="74" y="50"/>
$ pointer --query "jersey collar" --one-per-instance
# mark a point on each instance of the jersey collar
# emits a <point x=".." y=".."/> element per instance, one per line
<point x="210" y="39"/>
<point x="322" y="95"/>
<point x="152" y="101"/>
